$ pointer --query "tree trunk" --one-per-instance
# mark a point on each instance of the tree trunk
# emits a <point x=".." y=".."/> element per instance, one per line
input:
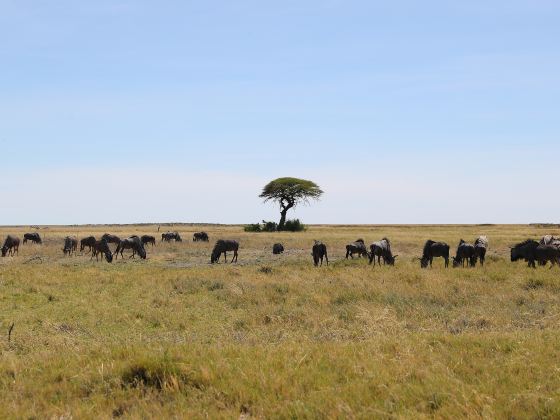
<point x="282" y="222"/>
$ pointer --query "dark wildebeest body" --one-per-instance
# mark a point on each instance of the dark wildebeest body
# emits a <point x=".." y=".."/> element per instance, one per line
<point x="222" y="247"/>
<point x="465" y="254"/>
<point x="101" y="248"/>
<point x="200" y="236"/>
<point x="480" y="249"/>
<point x="111" y="239"/>
<point x="547" y="253"/>
<point x="32" y="237"/>
<point x="319" y="251"/>
<point x="382" y="249"/>
<point x="277" y="249"/>
<point x="525" y="251"/>
<point x="433" y="250"/>
<point x="88" y="241"/>
<point x="148" y="239"/>
<point x="358" y="247"/>
<point x="135" y="244"/>
<point x="70" y="245"/>
<point x="11" y="246"/>
<point x="171" y="236"/>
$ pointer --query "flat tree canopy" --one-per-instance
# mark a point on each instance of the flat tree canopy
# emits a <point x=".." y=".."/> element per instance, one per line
<point x="288" y="193"/>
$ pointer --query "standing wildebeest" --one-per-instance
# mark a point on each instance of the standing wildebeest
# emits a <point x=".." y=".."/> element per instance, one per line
<point x="465" y="254"/>
<point x="101" y="248"/>
<point x="134" y="243"/>
<point x="526" y="251"/>
<point x="382" y="249"/>
<point x="11" y="246"/>
<point x="277" y="249"/>
<point x="546" y="253"/>
<point x="358" y="247"/>
<point x="480" y="249"/>
<point x="70" y="245"/>
<point x="148" y="239"/>
<point x="170" y="236"/>
<point x="221" y="247"/>
<point x="88" y="241"/>
<point x="319" y="251"/>
<point x="111" y="239"/>
<point x="432" y="250"/>
<point x="200" y="236"/>
<point x="33" y="237"/>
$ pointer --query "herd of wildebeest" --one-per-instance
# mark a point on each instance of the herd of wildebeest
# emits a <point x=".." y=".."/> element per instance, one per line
<point x="468" y="254"/>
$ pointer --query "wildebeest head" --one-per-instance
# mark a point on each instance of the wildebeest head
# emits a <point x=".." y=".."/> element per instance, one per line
<point x="424" y="262"/>
<point x="142" y="252"/>
<point x="457" y="262"/>
<point x="390" y="259"/>
<point x="4" y="250"/>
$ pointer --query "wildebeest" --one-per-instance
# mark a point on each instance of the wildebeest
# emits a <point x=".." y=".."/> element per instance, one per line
<point x="432" y="250"/>
<point x="277" y="249"/>
<point x="148" y="239"/>
<point x="547" y="253"/>
<point x="111" y="239"/>
<point x="11" y="246"/>
<point x="170" y="236"/>
<point x="357" y="247"/>
<point x="135" y="244"/>
<point x="465" y="254"/>
<point x="70" y="245"/>
<point x="221" y="247"/>
<point x="382" y="249"/>
<point x="200" y="236"/>
<point x="526" y="251"/>
<point x="480" y="249"/>
<point x="319" y="251"/>
<point x="32" y="237"/>
<point x="88" y="241"/>
<point x="101" y="248"/>
<point x="548" y="240"/>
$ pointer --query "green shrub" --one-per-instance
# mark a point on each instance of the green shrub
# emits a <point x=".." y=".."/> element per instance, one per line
<point x="253" y="228"/>
<point x="294" y="225"/>
<point x="269" y="226"/>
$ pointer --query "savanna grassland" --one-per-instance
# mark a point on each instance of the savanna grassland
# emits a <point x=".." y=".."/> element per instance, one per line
<point x="274" y="337"/>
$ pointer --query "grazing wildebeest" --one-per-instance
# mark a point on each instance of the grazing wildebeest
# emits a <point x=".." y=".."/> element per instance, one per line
<point x="33" y="237"/>
<point x="221" y="247"/>
<point x="432" y="250"/>
<point x="101" y="248"/>
<point x="88" y="241"/>
<point x="526" y="251"/>
<point x="465" y="254"/>
<point x="382" y="249"/>
<point x="480" y="249"/>
<point x="200" y="236"/>
<point x="148" y="239"/>
<point x="358" y="247"/>
<point x="548" y="240"/>
<point x="546" y="253"/>
<point x="277" y="249"/>
<point x="11" y="246"/>
<point x="111" y="239"/>
<point x="170" y="236"/>
<point x="319" y="251"/>
<point x="70" y="245"/>
<point x="134" y="243"/>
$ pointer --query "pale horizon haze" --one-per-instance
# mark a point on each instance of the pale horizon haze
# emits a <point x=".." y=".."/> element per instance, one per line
<point x="403" y="112"/>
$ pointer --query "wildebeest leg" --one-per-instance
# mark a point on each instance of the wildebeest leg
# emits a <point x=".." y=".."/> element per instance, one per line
<point x="225" y="257"/>
<point x="234" y="256"/>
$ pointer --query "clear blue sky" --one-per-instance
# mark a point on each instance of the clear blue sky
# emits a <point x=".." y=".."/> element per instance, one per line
<point x="402" y="111"/>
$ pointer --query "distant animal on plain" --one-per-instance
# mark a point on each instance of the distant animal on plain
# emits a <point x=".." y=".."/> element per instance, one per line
<point x="135" y="244"/>
<point x="525" y="251"/>
<point x="382" y="249"/>
<point x="277" y="249"/>
<point x="88" y="241"/>
<point x="148" y="239"/>
<point x="101" y="248"/>
<point x="319" y="251"/>
<point x="171" y="236"/>
<point x="433" y="250"/>
<point x="11" y="246"/>
<point x="357" y="247"/>
<point x="32" y="237"/>
<point x="222" y="246"/>
<point x="465" y="255"/>
<point x="480" y="249"/>
<point x="200" y="236"/>
<point x="70" y="245"/>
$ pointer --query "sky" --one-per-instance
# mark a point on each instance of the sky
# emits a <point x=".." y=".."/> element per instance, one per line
<point x="120" y="111"/>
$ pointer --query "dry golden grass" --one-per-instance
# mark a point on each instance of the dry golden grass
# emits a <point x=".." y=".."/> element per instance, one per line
<point x="273" y="336"/>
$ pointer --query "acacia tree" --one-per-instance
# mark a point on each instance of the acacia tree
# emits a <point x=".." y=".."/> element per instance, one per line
<point x="288" y="193"/>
